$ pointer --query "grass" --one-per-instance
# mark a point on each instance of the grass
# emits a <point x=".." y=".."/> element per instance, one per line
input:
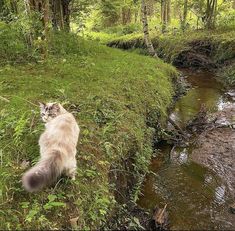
<point x="170" y="45"/>
<point x="118" y="98"/>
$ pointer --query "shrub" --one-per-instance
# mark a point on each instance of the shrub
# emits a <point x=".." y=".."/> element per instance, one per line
<point x="12" y="45"/>
<point x="227" y="75"/>
<point x="62" y="43"/>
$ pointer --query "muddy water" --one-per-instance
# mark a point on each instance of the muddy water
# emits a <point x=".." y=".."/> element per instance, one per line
<point x="197" y="197"/>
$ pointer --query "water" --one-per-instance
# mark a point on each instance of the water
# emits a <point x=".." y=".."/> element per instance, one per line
<point x="205" y="90"/>
<point x="196" y="197"/>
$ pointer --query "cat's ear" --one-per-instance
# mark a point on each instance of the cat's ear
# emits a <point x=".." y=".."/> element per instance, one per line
<point x="42" y="105"/>
<point x="56" y="106"/>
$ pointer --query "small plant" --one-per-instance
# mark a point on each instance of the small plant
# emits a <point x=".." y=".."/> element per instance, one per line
<point x="52" y="203"/>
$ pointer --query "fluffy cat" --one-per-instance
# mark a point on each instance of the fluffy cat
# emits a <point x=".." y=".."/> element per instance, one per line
<point x="57" y="148"/>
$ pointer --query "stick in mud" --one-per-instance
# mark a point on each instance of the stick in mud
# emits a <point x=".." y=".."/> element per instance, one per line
<point x="177" y="127"/>
<point x="160" y="219"/>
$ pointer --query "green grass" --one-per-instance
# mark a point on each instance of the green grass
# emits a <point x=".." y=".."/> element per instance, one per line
<point x="117" y="94"/>
<point x="170" y="45"/>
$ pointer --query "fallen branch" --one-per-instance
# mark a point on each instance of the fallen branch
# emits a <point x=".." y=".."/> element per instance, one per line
<point x="177" y="127"/>
<point x="160" y="218"/>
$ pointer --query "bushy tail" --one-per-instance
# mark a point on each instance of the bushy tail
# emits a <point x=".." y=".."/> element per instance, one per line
<point x="44" y="173"/>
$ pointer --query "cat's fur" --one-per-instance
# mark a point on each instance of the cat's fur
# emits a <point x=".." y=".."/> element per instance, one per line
<point x="57" y="148"/>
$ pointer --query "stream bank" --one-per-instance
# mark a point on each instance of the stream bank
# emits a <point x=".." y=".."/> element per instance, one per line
<point x="209" y="58"/>
<point x="208" y="50"/>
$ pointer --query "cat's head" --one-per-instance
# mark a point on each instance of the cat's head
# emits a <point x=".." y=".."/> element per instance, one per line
<point x="49" y="111"/>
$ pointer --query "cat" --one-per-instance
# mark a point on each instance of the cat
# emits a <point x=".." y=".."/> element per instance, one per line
<point x="57" y="148"/>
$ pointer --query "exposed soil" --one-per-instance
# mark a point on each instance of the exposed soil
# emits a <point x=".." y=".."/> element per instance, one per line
<point x="216" y="147"/>
<point x="198" y="55"/>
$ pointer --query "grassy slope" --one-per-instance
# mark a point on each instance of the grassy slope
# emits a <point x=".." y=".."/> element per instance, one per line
<point x="116" y="93"/>
<point x="169" y="46"/>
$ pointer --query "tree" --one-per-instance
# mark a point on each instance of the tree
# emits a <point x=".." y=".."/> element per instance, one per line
<point x="150" y="8"/>
<point x="210" y="16"/>
<point x="61" y="14"/>
<point x="165" y="14"/>
<point x="168" y="11"/>
<point x="147" y="39"/>
<point x="46" y="7"/>
<point x="185" y="13"/>
<point x="126" y="14"/>
<point x="110" y="11"/>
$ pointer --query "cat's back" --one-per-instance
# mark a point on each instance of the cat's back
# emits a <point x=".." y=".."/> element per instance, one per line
<point x="64" y="123"/>
<point x="62" y="128"/>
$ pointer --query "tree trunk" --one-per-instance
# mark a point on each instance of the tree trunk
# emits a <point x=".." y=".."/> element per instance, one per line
<point x="147" y="39"/>
<point x="150" y="8"/>
<point x="168" y="11"/>
<point x="126" y="15"/>
<point x="162" y="9"/>
<point x="164" y="15"/>
<point x="66" y="14"/>
<point x="183" y="25"/>
<point x="29" y="37"/>
<point x="61" y="14"/>
<point x="54" y="6"/>
<point x="46" y="18"/>
<point x="210" y="17"/>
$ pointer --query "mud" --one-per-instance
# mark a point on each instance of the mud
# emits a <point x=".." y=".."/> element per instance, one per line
<point x="215" y="147"/>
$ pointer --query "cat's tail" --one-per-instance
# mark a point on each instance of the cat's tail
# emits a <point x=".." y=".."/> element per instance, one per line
<point x="44" y="173"/>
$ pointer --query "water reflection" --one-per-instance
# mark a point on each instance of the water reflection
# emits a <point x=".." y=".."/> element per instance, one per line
<point x="205" y="90"/>
<point x="195" y="195"/>
<point x="219" y="194"/>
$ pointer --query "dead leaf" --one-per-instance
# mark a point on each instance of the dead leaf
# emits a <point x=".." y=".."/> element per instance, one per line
<point x="74" y="223"/>
<point x="24" y="164"/>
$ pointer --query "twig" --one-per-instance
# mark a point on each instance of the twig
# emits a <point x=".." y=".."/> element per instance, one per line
<point x="162" y="212"/>
<point x="57" y="184"/>
<point x="4" y="99"/>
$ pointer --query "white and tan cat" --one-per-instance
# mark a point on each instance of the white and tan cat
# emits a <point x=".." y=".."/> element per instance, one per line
<point x="57" y="148"/>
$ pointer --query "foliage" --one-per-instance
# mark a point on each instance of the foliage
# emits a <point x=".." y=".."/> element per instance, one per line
<point x="227" y="75"/>
<point x="123" y="30"/>
<point x="12" y="45"/>
<point x="107" y="14"/>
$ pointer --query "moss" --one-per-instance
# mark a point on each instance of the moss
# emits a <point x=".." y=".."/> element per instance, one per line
<point x="113" y="94"/>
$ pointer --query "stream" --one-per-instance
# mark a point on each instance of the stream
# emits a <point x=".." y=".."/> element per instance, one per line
<point x="197" y="196"/>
